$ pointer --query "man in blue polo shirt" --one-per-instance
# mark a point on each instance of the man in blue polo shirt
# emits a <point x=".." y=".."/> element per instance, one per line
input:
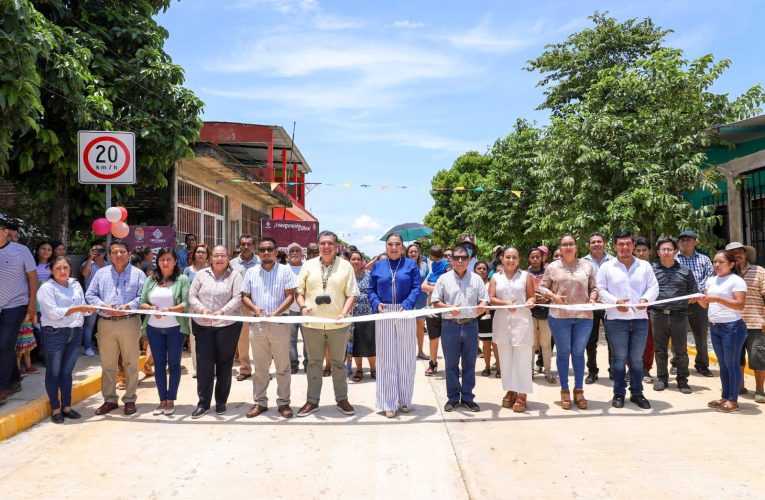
<point x="17" y="302"/>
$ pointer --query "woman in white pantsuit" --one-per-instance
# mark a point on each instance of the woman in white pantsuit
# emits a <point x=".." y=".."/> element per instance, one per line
<point x="394" y="284"/>
<point x="513" y="329"/>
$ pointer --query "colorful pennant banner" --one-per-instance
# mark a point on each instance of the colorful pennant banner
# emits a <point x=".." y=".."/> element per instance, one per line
<point x="382" y="187"/>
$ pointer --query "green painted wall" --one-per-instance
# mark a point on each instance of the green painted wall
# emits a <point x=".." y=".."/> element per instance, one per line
<point x="723" y="154"/>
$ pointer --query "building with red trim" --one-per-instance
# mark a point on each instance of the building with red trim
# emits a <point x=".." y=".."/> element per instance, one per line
<point x="240" y="173"/>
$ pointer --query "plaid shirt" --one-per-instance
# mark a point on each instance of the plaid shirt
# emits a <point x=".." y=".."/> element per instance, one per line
<point x="699" y="264"/>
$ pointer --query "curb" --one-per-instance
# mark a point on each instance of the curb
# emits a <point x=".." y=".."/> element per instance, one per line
<point x="37" y="410"/>
<point x="713" y="358"/>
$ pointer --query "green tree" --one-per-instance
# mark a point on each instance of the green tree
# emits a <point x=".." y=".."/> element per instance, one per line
<point x="453" y="192"/>
<point x="572" y="67"/>
<point x="624" y="156"/>
<point x="499" y="214"/>
<point x="87" y="65"/>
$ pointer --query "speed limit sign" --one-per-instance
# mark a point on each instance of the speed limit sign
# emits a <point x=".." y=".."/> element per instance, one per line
<point x="106" y="157"/>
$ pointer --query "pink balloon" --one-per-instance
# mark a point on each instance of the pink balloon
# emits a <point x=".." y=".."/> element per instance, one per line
<point x="120" y="229"/>
<point x="124" y="213"/>
<point x="101" y="226"/>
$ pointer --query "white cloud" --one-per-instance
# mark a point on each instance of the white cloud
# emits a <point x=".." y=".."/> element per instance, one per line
<point x="281" y="6"/>
<point x="482" y="39"/>
<point x="365" y="222"/>
<point x="404" y="24"/>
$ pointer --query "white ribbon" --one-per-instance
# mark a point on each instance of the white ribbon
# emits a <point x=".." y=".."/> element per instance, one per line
<point x="416" y="313"/>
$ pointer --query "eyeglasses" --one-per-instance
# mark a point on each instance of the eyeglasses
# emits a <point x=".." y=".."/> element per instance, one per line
<point x="266" y="249"/>
<point x="463" y="258"/>
<point x="448" y="255"/>
<point x="568" y="244"/>
<point x="166" y="261"/>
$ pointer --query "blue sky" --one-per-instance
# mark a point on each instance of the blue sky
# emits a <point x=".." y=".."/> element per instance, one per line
<point x="390" y="92"/>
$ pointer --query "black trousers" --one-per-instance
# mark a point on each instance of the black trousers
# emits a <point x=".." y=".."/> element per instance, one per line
<point x="699" y="321"/>
<point x="216" y="346"/>
<point x="592" y="344"/>
<point x="665" y="327"/>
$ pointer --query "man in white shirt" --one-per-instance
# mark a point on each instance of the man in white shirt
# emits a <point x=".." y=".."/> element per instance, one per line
<point x="627" y="280"/>
<point x="295" y="261"/>
<point x="268" y="290"/>
<point x="597" y="257"/>
<point x="243" y="262"/>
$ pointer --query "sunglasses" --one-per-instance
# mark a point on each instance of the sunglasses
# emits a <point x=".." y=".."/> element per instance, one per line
<point x="266" y="249"/>
<point x="463" y="258"/>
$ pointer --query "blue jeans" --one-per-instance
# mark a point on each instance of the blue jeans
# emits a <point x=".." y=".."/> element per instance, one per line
<point x="294" y="359"/>
<point x="62" y="347"/>
<point x="166" y="347"/>
<point x="727" y="340"/>
<point x="87" y="330"/>
<point x="571" y="336"/>
<point x="627" y="338"/>
<point x="10" y="321"/>
<point x="459" y="341"/>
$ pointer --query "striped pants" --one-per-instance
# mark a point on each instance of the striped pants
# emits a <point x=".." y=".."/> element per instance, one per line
<point x="396" y="349"/>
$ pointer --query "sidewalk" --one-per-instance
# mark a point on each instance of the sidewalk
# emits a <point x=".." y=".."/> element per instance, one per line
<point x="30" y="406"/>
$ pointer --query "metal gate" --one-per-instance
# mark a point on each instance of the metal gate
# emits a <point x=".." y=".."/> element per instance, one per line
<point x="753" y="202"/>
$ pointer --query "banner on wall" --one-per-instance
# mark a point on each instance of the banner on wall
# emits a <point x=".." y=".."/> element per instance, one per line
<point x="156" y="237"/>
<point x="285" y="232"/>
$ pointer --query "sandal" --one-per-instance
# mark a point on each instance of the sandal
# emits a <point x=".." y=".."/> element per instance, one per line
<point x="581" y="403"/>
<point x="486" y="372"/>
<point x="243" y="376"/>
<point x="432" y="369"/>
<point x="520" y="404"/>
<point x="550" y="378"/>
<point x="327" y="372"/>
<point x="565" y="399"/>
<point x="716" y="403"/>
<point x="357" y="376"/>
<point x="728" y="407"/>
<point x="147" y="370"/>
<point x="373" y="374"/>
<point x="509" y="399"/>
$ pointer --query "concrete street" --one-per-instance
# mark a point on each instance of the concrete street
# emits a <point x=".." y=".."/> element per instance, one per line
<point x="679" y="448"/>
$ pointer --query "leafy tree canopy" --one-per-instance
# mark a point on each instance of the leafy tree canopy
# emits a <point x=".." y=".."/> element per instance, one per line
<point x="87" y="65"/>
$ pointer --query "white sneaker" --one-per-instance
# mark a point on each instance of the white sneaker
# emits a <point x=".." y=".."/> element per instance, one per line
<point x="158" y="411"/>
<point x="89" y="352"/>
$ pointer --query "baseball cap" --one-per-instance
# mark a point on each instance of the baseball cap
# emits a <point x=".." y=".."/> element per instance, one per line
<point x="688" y="234"/>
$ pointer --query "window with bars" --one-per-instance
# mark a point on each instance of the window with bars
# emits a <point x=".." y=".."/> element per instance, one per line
<point x="199" y="212"/>
<point x="251" y="221"/>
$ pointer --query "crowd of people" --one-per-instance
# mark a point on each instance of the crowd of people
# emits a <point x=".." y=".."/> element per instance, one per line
<point x="501" y="310"/>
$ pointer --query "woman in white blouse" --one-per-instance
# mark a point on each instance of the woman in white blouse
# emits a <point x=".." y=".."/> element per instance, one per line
<point x="513" y="329"/>
<point x="62" y="306"/>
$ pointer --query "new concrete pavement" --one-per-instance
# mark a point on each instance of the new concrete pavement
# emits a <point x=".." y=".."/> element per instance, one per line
<point x="679" y="448"/>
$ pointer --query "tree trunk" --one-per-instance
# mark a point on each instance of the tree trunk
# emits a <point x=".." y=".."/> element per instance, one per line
<point x="59" y="213"/>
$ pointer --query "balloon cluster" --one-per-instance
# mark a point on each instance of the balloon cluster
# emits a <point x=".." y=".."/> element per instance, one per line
<point x="114" y="222"/>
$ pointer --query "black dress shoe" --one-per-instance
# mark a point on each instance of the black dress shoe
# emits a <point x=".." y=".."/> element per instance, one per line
<point x="199" y="411"/>
<point x="471" y="405"/>
<point x="220" y="408"/>
<point x="71" y="414"/>
<point x="450" y="406"/>
<point x="641" y="401"/>
<point x="673" y="370"/>
<point x="591" y="378"/>
<point x="57" y="418"/>
<point x="618" y="401"/>
<point x="703" y="370"/>
<point x="684" y="387"/>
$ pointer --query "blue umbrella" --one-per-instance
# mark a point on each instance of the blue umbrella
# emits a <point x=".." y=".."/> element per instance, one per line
<point x="409" y="231"/>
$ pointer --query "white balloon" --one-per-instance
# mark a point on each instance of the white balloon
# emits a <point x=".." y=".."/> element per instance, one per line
<point x="113" y="214"/>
